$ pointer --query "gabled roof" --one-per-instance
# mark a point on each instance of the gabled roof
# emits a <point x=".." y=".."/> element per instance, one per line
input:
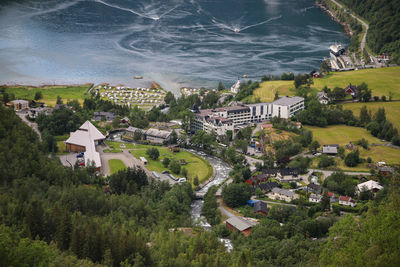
<point x="315" y="196"/>
<point x="369" y="185"/>
<point x="284" y="192"/>
<point x="93" y="132"/>
<point x="268" y="186"/>
<point x="86" y="136"/>
<point x="240" y="223"/>
<point x="158" y="133"/>
<point x="260" y="206"/>
<point x="344" y="198"/>
<point x="314" y="187"/>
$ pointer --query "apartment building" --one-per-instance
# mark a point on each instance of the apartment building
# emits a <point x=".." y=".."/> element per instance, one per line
<point x="220" y="120"/>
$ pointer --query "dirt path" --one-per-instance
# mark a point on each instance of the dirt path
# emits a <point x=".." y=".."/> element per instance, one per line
<point x="33" y="125"/>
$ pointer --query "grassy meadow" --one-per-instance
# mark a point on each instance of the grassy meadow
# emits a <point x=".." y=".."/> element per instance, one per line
<point x="341" y="134"/>
<point x="381" y="81"/>
<point x="392" y="110"/>
<point x="50" y="93"/>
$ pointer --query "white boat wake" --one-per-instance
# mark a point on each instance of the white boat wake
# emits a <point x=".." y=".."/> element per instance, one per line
<point x="135" y="12"/>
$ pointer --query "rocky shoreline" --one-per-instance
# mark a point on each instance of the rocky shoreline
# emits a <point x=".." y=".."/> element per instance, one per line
<point x="333" y="16"/>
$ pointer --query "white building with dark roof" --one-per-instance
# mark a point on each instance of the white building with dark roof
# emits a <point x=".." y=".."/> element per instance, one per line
<point x="85" y="140"/>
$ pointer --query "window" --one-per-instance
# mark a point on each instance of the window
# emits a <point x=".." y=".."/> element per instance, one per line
<point x="262" y="110"/>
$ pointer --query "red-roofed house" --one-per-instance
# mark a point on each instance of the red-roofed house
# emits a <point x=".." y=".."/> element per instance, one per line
<point x="346" y="201"/>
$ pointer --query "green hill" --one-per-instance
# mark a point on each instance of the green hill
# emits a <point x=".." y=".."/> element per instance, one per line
<point x="381" y="81"/>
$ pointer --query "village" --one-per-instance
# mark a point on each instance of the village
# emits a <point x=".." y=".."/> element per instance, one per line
<point x="154" y="148"/>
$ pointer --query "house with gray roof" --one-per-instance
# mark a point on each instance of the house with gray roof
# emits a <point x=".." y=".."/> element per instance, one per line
<point x="330" y="149"/>
<point x="282" y="194"/>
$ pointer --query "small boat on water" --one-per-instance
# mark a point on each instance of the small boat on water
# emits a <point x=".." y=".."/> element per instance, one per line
<point x="236" y="30"/>
<point x="138" y="77"/>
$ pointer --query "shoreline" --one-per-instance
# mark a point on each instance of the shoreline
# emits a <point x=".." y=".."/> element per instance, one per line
<point x="333" y="16"/>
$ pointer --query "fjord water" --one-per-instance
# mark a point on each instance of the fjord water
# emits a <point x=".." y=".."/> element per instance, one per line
<point x="174" y="42"/>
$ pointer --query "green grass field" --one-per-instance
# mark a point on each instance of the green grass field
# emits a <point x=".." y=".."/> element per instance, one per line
<point x="195" y="165"/>
<point x="341" y="134"/>
<point x="266" y="92"/>
<point x="116" y="165"/>
<point x="392" y="110"/>
<point x="50" y="93"/>
<point x="381" y="81"/>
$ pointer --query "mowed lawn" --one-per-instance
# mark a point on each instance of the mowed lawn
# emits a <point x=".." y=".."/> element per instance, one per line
<point x="341" y="134"/>
<point x="116" y="165"/>
<point x="50" y="93"/>
<point x="392" y="110"/>
<point x="381" y="81"/>
<point x="195" y="165"/>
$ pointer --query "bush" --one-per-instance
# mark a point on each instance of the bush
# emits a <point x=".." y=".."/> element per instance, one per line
<point x="326" y="161"/>
<point x="153" y="153"/>
<point x="352" y="159"/>
<point x="166" y="162"/>
<point x="174" y="166"/>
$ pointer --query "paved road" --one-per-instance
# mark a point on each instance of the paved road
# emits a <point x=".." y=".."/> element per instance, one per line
<point x="33" y="125"/>
<point x="224" y="211"/>
<point x="362" y="45"/>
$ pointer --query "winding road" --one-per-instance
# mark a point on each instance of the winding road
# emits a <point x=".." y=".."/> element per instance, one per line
<point x="364" y="38"/>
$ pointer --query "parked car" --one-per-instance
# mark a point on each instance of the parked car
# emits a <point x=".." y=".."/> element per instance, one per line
<point x="182" y="180"/>
<point x="80" y="155"/>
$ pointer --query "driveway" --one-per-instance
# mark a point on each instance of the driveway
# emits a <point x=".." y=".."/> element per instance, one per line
<point x="68" y="160"/>
<point x="224" y="211"/>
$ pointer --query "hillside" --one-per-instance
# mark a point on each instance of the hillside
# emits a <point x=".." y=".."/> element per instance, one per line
<point x="384" y="23"/>
<point x="381" y="81"/>
<point x="392" y="110"/>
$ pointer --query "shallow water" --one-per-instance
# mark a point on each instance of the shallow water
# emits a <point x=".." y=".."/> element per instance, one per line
<point x="174" y="42"/>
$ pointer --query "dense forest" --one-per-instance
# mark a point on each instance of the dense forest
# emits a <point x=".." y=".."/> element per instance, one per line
<point x="51" y="215"/>
<point x="384" y="21"/>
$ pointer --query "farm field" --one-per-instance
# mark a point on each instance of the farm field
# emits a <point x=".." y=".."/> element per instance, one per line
<point x="195" y="165"/>
<point x="341" y="134"/>
<point x="381" y="81"/>
<point x="50" y="93"/>
<point x="116" y="165"/>
<point x="392" y="110"/>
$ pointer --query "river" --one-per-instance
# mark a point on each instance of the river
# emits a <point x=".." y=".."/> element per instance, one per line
<point x="222" y="170"/>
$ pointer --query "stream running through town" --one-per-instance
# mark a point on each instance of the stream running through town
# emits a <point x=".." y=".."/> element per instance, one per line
<point x="222" y="170"/>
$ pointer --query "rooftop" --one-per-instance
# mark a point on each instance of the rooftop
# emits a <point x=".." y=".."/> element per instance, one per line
<point x="288" y="101"/>
<point x="158" y="133"/>
<point x="240" y="223"/>
<point x="86" y="136"/>
<point x="284" y="192"/>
